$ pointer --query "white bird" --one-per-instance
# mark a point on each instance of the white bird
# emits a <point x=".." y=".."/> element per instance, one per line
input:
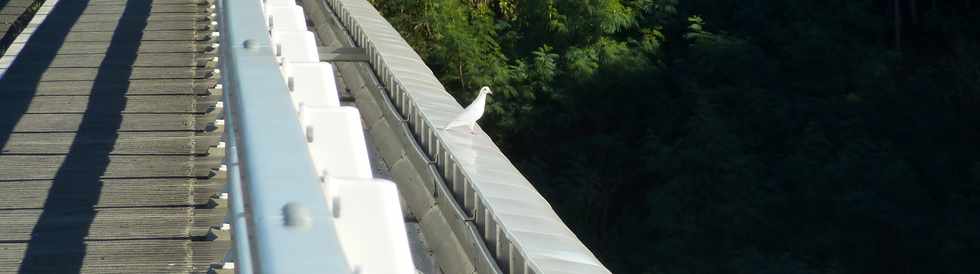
<point x="471" y="113"/>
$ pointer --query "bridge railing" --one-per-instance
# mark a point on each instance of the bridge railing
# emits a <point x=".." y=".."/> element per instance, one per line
<point x="279" y="216"/>
<point x="302" y="193"/>
<point x="519" y="227"/>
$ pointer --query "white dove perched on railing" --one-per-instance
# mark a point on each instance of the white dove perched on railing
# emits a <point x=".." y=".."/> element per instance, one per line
<point x="471" y="113"/>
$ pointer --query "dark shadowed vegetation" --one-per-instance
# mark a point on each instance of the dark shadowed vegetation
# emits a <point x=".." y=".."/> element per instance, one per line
<point x="732" y="136"/>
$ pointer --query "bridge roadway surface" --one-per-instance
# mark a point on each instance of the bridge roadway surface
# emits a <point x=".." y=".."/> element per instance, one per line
<point x="107" y="136"/>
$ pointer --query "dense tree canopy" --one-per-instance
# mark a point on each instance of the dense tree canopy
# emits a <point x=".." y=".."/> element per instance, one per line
<point x="732" y="136"/>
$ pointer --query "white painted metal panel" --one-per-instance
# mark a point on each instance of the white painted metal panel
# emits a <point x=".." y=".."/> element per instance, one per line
<point x="311" y="84"/>
<point x="285" y="18"/>
<point x="370" y="226"/>
<point x="336" y="141"/>
<point x="279" y="3"/>
<point x="295" y="46"/>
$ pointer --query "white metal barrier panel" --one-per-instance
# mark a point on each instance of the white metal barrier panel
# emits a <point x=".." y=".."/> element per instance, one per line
<point x="368" y="218"/>
<point x="333" y="132"/>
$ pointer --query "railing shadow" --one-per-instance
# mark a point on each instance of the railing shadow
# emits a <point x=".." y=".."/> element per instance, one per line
<point x="13" y="18"/>
<point x="57" y="242"/>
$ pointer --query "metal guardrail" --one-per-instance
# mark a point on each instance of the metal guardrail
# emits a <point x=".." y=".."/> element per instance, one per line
<point x="280" y="219"/>
<point x="519" y="227"/>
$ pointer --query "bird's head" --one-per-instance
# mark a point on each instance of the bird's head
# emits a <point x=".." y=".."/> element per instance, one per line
<point x="485" y="90"/>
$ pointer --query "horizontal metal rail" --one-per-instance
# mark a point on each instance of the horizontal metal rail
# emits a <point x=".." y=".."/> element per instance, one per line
<point x="281" y="222"/>
<point x="519" y="227"/>
<point x="236" y="200"/>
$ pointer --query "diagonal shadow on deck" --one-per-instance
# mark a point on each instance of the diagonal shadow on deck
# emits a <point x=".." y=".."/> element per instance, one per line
<point x="14" y="14"/>
<point x="57" y="242"/>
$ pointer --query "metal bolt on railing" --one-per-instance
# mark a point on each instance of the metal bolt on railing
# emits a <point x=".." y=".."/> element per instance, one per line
<point x="297" y="216"/>
<point x="335" y="207"/>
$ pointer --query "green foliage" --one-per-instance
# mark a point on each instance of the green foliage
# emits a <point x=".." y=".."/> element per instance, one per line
<point x="731" y="136"/>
